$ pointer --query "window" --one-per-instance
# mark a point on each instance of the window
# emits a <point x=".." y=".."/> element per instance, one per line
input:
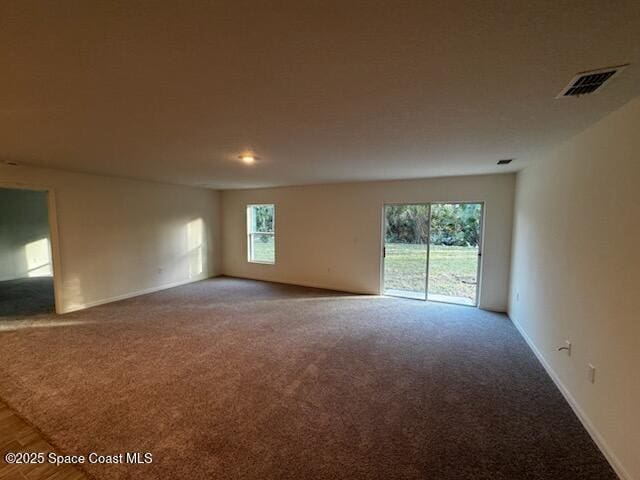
<point x="261" y="237"/>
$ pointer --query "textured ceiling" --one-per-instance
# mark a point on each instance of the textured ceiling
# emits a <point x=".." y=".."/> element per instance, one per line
<point x="322" y="91"/>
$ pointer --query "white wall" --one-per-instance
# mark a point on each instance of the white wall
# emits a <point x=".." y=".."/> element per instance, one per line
<point x="330" y="235"/>
<point x="120" y="237"/>
<point x="576" y="275"/>
<point x="24" y="234"/>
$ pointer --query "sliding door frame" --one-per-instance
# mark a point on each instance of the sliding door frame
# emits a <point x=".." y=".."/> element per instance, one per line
<point x="383" y="250"/>
<point x="480" y="257"/>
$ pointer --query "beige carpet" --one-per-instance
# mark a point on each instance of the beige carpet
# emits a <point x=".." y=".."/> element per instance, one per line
<point x="236" y="379"/>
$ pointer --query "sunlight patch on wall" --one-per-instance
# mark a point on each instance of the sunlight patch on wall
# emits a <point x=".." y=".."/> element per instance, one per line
<point x="38" y="256"/>
<point x="195" y="241"/>
<point x="74" y="296"/>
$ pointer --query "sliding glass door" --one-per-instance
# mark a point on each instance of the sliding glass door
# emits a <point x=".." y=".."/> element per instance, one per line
<point x="432" y="251"/>
<point x="406" y="246"/>
<point x="454" y="252"/>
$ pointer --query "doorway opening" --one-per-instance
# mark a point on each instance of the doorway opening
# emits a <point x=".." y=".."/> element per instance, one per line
<point x="26" y="260"/>
<point x="432" y="251"/>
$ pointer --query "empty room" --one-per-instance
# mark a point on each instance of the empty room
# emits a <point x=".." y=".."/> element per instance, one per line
<point x="319" y="240"/>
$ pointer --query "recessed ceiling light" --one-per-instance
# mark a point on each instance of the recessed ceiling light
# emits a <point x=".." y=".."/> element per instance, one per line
<point x="248" y="158"/>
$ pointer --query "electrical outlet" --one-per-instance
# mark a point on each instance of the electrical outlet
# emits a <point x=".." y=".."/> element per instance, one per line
<point x="592" y="373"/>
<point x="517" y="296"/>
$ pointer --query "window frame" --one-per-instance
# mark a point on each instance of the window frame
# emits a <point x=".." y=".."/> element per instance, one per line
<point x="250" y="232"/>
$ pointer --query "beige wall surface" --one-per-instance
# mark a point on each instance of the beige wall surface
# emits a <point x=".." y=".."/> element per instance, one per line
<point x="576" y="276"/>
<point x="330" y="235"/>
<point x="24" y="234"/>
<point x="121" y="237"/>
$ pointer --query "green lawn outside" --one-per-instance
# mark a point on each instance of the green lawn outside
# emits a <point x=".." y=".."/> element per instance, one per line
<point x="452" y="270"/>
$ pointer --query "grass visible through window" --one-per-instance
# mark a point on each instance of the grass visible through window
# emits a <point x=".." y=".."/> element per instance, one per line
<point x="452" y="270"/>
<point x="263" y="248"/>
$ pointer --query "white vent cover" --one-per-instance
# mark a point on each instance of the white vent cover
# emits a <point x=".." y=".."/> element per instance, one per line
<point x="592" y="81"/>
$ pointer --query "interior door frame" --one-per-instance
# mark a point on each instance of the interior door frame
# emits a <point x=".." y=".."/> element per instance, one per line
<point x="54" y="244"/>
<point x="480" y="260"/>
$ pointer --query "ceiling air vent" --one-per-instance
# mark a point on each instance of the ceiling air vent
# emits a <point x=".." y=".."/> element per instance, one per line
<point x="506" y="161"/>
<point x="585" y="83"/>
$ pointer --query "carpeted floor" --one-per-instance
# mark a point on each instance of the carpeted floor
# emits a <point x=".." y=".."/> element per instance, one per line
<point x="237" y="379"/>
<point x="24" y="297"/>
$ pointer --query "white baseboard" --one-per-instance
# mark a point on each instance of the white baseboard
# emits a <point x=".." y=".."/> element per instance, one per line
<point x="296" y="283"/>
<point x="582" y="416"/>
<point x="137" y="293"/>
